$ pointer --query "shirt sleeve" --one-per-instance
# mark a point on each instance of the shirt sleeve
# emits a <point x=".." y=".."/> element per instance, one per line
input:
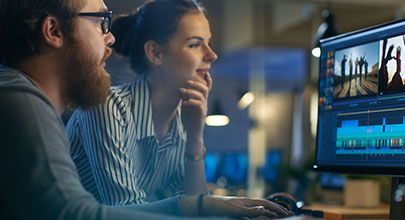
<point x="103" y="136"/>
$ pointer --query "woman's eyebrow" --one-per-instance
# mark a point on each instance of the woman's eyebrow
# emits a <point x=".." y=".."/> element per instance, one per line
<point x="195" y="37"/>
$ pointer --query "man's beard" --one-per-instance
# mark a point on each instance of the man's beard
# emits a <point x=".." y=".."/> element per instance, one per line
<point x="87" y="82"/>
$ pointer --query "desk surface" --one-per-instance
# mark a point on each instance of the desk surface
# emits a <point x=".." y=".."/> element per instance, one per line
<point x="380" y="212"/>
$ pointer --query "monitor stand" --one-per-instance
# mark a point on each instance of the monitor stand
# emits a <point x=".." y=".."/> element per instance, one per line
<point x="397" y="204"/>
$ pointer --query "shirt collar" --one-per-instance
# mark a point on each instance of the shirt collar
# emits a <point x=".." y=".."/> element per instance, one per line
<point x="144" y="114"/>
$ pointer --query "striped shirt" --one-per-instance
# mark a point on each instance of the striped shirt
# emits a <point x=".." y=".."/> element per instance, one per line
<point x="116" y="151"/>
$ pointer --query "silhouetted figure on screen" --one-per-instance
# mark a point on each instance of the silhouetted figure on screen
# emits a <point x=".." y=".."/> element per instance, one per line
<point x="365" y="68"/>
<point x="350" y="70"/>
<point x="361" y="63"/>
<point x="356" y="68"/>
<point x="343" y="68"/>
<point x="396" y="83"/>
<point x="382" y="72"/>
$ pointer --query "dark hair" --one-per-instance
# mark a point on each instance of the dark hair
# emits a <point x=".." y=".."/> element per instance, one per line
<point x="155" y="20"/>
<point x="20" y="22"/>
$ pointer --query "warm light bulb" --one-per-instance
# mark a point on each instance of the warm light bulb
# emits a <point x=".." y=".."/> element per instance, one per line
<point x="216" y="120"/>
<point x="246" y="100"/>
<point x="316" y="52"/>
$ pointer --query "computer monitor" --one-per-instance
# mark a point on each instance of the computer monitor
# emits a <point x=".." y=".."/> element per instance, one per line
<point x="361" y="116"/>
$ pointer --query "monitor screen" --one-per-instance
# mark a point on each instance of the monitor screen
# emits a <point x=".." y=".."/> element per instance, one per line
<point x="361" y="116"/>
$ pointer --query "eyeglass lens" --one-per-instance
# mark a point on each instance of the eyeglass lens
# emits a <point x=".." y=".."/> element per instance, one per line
<point x="105" y="25"/>
<point x="105" y="21"/>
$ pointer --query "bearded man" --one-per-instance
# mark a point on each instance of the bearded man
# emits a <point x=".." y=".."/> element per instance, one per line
<point x="53" y="54"/>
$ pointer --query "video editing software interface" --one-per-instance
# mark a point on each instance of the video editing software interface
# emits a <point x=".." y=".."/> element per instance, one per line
<point x="361" y="117"/>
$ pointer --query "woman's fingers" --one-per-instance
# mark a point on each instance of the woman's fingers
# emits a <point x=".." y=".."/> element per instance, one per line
<point x="280" y="210"/>
<point x="271" y="214"/>
<point x="198" y="86"/>
<point x="208" y="79"/>
<point x="271" y="207"/>
<point x="194" y="105"/>
<point x="191" y="94"/>
<point x="259" y="211"/>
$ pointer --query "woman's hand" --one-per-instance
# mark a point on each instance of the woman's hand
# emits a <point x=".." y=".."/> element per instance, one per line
<point x="243" y="207"/>
<point x="194" y="107"/>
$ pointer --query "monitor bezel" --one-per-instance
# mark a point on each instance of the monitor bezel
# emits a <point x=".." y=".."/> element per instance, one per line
<point x="325" y="40"/>
<point x="391" y="171"/>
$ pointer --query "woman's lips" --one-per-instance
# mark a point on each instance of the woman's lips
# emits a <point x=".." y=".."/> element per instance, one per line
<point x="203" y="71"/>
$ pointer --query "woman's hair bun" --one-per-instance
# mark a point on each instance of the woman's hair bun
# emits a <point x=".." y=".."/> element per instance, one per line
<point x="122" y="29"/>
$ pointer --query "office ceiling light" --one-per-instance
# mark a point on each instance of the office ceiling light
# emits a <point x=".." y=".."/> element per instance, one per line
<point x="325" y="30"/>
<point x="246" y="99"/>
<point x="217" y="117"/>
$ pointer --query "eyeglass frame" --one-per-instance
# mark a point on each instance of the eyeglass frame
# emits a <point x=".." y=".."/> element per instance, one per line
<point x="105" y="15"/>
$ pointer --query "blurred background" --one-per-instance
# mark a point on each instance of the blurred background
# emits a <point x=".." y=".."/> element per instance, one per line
<point x="264" y="49"/>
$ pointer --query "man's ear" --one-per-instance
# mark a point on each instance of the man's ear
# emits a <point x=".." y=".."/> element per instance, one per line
<point x="51" y="31"/>
<point x="154" y="52"/>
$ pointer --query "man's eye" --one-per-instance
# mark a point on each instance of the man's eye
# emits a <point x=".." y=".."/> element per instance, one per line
<point x="99" y="20"/>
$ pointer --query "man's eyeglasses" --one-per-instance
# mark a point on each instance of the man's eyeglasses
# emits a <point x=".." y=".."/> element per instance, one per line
<point x="105" y="22"/>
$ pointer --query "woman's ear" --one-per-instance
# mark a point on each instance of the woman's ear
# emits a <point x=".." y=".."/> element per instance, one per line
<point x="154" y="52"/>
<point x="51" y="32"/>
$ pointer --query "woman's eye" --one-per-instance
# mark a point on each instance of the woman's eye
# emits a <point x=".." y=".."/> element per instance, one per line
<point x="195" y="45"/>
